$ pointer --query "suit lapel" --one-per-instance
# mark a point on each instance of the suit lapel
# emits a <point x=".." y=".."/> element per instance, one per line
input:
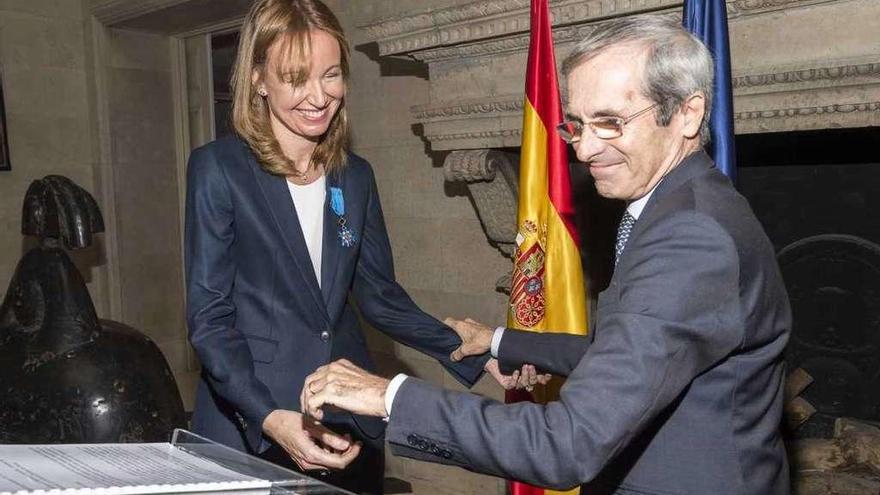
<point x="330" y="250"/>
<point x="280" y="206"/>
<point x="693" y="165"/>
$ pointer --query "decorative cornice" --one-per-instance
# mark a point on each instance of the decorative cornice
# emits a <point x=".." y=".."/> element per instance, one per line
<point x="736" y="8"/>
<point x="464" y="136"/>
<point x="562" y="35"/>
<point x="491" y="19"/>
<point x="510" y="44"/>
<point x="807" y="75"/>
<point x="807" y="111"/>
<point x="443" y="111"/>
<point x="394" y="26"/>
<point x="115" y="11"/>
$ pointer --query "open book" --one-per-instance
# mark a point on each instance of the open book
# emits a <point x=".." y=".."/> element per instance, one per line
<point x="189" y="464"/>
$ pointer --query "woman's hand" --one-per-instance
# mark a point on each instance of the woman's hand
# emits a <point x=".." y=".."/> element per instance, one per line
<point x="308" y="442"/>
<point x="527" y="378"/>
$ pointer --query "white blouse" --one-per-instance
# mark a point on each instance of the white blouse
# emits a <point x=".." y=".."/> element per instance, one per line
<point x="309" y="202"/>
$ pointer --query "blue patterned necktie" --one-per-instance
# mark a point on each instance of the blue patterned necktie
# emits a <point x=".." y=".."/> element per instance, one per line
<point x="623" y="231"/>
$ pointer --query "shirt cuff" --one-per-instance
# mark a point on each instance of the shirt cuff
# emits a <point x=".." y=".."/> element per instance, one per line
<point x="496" y="341"/>
<point x="391" y="391"/>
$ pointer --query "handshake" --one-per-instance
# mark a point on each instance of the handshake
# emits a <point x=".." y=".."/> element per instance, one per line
<point x="343" y="385"/>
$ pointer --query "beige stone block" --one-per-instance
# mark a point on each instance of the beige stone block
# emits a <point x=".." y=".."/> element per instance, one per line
<point x="46" y="92"/>
<point x="462" y="79"/>
<point x="138" y="94"/>
<point x="417" y="255"/>
<point x="806" y="34"/>
<point x="65" y="9"/>
<point x="139" y="50"/>
<point x="175" y="352"/>
<point x="470" y="264"/>
<point x="488" y="308"/>
<point x="175" y="355"/>
<point x="152" y="296"/>
<point x="148" y="141"/>
<point x="187" y="383"/>
<point x="39" y="146"/>
<point x="384" y="169"/>
<point x="418" y="188"/>
<point x="429" y="478"/>
<point x="31" y="41"/>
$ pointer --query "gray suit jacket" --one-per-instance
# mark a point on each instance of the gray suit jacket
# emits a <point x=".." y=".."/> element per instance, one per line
<point x="681" y="390"/>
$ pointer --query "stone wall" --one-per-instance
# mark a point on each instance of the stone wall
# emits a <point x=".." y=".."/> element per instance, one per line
<point x="44" y="67"/>
<point x="146" y="223"/>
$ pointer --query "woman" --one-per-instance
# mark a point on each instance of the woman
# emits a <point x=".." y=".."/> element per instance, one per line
<point x="282" y="224"/>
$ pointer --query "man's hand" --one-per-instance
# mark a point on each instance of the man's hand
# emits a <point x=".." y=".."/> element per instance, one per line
<point x="344" y="385"/>
<point x="476" y="338"/>
<point x="310" y="444"/>
<point x="527" y="378"/>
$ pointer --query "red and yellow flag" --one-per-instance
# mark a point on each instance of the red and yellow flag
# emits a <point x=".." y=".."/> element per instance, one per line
<point x="547" y="289"/>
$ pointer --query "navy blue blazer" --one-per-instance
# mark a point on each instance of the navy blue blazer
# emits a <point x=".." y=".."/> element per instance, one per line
<point x="257" y="317"/>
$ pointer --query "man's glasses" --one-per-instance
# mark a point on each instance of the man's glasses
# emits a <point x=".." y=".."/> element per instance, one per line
<point x="603" y="127"/>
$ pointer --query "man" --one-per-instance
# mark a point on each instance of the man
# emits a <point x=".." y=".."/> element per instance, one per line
<point x="681" y="390"/>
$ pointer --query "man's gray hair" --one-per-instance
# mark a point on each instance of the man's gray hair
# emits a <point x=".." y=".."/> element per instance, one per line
<point x="678" y="64"/>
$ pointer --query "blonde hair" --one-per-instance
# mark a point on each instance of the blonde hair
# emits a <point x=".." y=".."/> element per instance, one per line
<point x="291" y="21"/>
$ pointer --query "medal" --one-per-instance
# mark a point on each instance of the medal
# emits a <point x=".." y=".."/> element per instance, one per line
<point x="347" y="237"/>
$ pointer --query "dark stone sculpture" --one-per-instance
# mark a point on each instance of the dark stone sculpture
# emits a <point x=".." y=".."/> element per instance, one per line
<point x="65" y="375"/>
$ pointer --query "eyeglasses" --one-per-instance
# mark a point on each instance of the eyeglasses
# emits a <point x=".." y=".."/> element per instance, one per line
<point x="603" y="127"/>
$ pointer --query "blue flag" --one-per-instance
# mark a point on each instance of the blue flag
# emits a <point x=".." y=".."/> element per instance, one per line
<point x="707" y="20"/>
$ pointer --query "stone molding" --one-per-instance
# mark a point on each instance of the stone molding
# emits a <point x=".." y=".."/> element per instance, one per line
<point x="807" y="111"/>
<point x="490" y="19"/>
<point x="467" y="136"/>
<point x="115" y="11"/>
<point x="464" y="108"/>
<point x="808" y="74"/>
<point x="511" y="44"/>
<point x="756" y="84"/>
<point x="736" y="8"/>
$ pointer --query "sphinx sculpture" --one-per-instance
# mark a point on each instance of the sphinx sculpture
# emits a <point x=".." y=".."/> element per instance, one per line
<point x="65" y="375"/>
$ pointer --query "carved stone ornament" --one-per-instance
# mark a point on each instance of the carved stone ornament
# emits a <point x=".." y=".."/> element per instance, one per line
<point x="492" y="182"/>
<point x="748" y="7"/>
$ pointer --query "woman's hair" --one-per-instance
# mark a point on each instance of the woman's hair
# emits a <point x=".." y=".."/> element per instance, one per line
<point x="290" y="21"/>
<point x="678" y="64"/>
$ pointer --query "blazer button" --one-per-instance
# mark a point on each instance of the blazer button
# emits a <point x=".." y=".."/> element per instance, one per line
<point x="412" y="440"/>
<point x="325" y="336"/>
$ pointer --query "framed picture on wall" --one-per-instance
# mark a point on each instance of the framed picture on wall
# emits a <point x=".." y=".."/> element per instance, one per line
<point x="4" y="141"/>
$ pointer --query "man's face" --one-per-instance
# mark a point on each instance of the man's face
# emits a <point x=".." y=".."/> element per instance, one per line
<point x="610" y="84"/>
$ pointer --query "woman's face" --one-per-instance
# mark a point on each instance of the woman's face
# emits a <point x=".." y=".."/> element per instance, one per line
<point x="304" y="110"/>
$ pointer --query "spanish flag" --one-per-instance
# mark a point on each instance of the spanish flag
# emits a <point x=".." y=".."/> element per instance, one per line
<point x="547" y="289"/>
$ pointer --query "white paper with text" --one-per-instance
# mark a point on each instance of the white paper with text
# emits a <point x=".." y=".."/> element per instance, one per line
<point x="115" y="469"/>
